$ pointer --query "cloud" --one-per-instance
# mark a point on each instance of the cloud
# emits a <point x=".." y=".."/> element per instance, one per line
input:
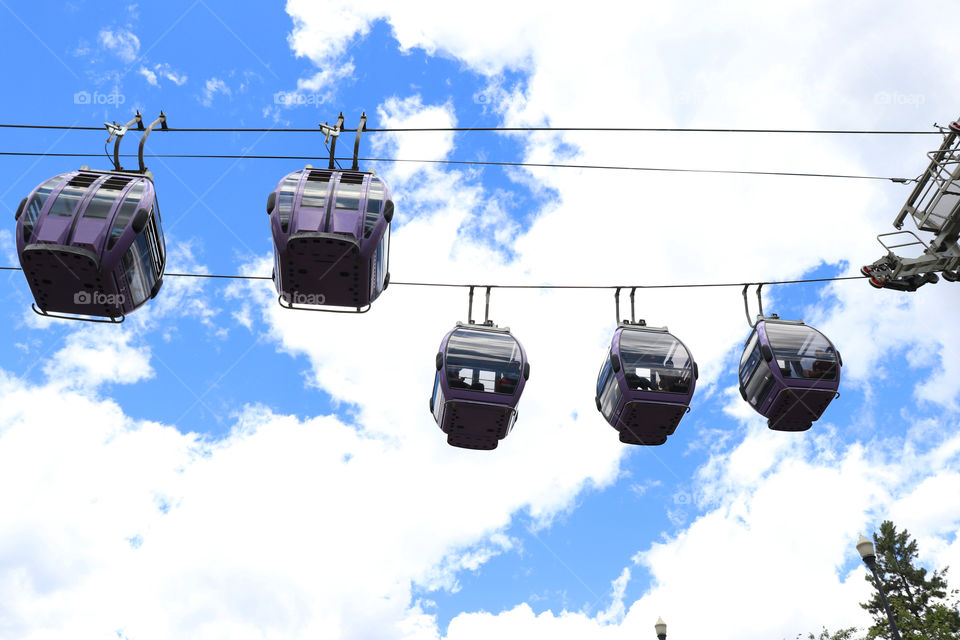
<point x="211" y="88"/>
<point x="150" y="76"/>
<point x="775" y="547"/>
<point x="326" y="526"/>
<point x="118" y="518"/>
<point x="410" y="112"/>
<point x="324" y="33"/>
<point x="98" y="355"/>
<point x="760" y="494"/>
<point x="121" y="42"/>
<point x="162" y="70"/>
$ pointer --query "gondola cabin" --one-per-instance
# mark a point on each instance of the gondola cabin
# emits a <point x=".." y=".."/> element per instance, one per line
<point x="789" y="373"/>
<point x="331" y="236"/>
<point x="481" y="372"/>
<point x="91" y="244"/>
<point x="645" y="384"/>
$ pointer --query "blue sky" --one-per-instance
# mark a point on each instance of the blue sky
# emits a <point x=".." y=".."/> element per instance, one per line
<point x="220" y="467"/>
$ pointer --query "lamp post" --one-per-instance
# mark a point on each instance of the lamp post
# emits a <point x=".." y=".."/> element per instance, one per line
<point x="865" y="548"/>
<point x="661" y="628"/>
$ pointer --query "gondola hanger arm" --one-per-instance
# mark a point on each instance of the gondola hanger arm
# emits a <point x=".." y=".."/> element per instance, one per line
<point x="118" y="131"/>
<point x="330" y="135"/>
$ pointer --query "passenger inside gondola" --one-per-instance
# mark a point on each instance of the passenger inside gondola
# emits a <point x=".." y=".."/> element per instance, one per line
<point x="638" y="382"/>
<point x="455" y="378"/>
<point x="668" y="381"/>
<point x="487" y="363"/>
<point x="824" y="366"/>
<point x="802" y="353"/>
<point x="506" y="382"/>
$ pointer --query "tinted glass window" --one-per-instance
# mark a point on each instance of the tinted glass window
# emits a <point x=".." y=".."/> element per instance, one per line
<point x="66" y="201"/>
<point x="315" y="192"/>
<point x="383" y="251"/>
<point x="153" y="242"/>
<point x="759" y="385"/>
<point x="33" y="208"/>
<point x="605" y="372"/>
<point x="750" y="358"/>
<point x="127" y="209"/>
<point x="348" y="196"/>
<point x="161" y="246"/>
<point x="437" y="398"/>
<point x="483" y="361"/>
<point x="285" y="201"/>
<point x="374" y="204"/>
<point x="802" y="352"/>
<point x="610" y="397"/>
<point x="655" y="361"/>
<point x="139" y="268"/>
<point x="100" y="204"/>
<point x="133" y="269"/>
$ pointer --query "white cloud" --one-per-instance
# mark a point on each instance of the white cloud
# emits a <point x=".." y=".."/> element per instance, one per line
<point x="312" y="527"/>
<point x="707" y="67"/>
<point x="8" y="246"/>
<point x="82" y="48"/>
<point x="325" y="31"/>
<point x="410" y="112"/>
<point x="162" y="70"/>
<point x="97" y="355"/>
<point x="121" y="42"/>
<point x="117" y="519"/>
<point x="615" y="611"/>
<point x="774" y="554"/>
<point x="211" y="88"/>
<point x="150" y="76"/>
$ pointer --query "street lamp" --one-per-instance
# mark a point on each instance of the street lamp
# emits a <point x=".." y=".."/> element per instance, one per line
<point x="661" y="628"/>
<point x="865" y="548"/>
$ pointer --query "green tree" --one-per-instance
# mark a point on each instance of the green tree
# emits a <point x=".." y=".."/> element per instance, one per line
<point x="842" y="634"/>
<point x="924" y="607"/>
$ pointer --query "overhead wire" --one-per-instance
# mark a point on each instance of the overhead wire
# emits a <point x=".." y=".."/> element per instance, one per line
<point x="536" y="286"/>
<point x="507" y="164"/>
<point x="503" y="129"/>
<point x="506" y="129"/>
<point x="488" y="163"/>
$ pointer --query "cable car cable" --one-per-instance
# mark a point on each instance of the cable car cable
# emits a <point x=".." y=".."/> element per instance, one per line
<point x="482" y="163"/>
<point x="507" y="129"/>
<point x="535" y="286"/>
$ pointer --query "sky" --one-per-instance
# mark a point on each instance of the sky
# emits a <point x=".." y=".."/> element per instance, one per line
<point x="219" y="467"/>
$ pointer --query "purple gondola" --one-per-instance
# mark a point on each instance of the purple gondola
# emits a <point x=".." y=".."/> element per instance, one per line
<point x="646" y="383"/>
<point x="331" y="235"/>
<point x="90" y="242"/>
<point x="789" y="372"/>
<point x="481" y="372"/>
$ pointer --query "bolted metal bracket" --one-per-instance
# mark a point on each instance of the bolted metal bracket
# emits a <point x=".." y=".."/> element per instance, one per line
<point x="118" y="131"/>
<point x="330" y="135"/>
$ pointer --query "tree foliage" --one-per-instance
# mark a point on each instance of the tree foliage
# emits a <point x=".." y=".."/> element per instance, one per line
<point x="842" y="634"/>
<point x="923" y="605"/>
